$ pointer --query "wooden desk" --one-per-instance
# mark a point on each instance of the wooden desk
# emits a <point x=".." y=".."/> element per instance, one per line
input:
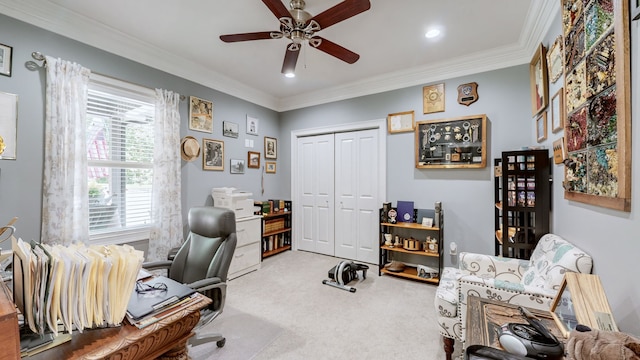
<point x="485" y="317"/>
<point x="165" y="339"/>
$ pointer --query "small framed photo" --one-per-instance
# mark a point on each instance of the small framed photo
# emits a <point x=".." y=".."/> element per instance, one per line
<point x="200" y="114"/>
<point x="427" y="222"/>
<point x="8" y="125"/>
<point x="538" y="80"/>
<point x="237" y="166"/>
<point x="401" y="122"/>
<point x="253" y="158"/>
<point x="541" y="127"/>
<point x="557" y="113"/>
<point x="252" y="125"/>
<point x="6" y="54"/>
<point x="559" y="152"/>
<point x="270" y="167"/>
<point x="213" y="155"/>
<point x="230" y="129"/>
<point x="270" y="148"/>
<point x="555" y="61"/>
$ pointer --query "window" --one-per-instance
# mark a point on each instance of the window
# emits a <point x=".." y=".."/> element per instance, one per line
<point x="119" y="132"/>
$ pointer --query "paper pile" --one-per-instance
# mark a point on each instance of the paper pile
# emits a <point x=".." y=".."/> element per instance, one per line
<point x="77" y="286"/>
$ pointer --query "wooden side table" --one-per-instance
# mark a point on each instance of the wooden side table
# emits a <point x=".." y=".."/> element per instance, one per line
<point x="485" y="317"/>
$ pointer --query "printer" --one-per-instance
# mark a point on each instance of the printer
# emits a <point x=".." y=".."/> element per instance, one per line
<point x="234" y="199"/>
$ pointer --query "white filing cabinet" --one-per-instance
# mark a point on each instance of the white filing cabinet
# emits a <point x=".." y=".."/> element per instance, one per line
<point x="246" y="258"/>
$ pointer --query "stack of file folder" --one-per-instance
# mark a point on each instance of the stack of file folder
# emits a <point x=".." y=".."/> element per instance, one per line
<point x="158" y="298"/>
<point x="76" y="287"/>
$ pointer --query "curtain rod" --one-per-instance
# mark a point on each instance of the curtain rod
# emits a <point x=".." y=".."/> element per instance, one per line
<point x="36" y="55"/>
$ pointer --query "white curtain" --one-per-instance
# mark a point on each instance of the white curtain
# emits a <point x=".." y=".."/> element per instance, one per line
<point x="166" y="230"/>
<point x="65" y="209"/>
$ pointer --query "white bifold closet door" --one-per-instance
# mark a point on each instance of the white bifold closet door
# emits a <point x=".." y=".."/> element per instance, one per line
<point x="339" y="187"/>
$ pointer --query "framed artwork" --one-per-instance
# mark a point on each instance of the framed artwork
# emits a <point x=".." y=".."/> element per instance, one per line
<point x="559" y="152"/>
<point x="229" y="129"/>
<point x="6" y="55"/>
<point x="401" y="122"/>
<point x="8" y="125"/>
<point x="270" y="148"/>
<point x="433" y="98"/>
<point x="555" y="63"/>
<point x="597" y="126"/>
<point x="541" y="127"/>
<point x="252" y="125"/>
<point x="270" y="167"/>
<point x="538" y="80"/>
<point x="213" y="154"/>
<point x="200" y="114"/>
<point x="557" y="111"/>
<point x="451" y="143"/>
<point x="253" y="159"/>
<point x="634" y="10"/>
<point x="237" y="166"/>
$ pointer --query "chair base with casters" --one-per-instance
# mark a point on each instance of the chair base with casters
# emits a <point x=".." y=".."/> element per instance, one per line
<point x="531" y="283"/>
<point x="202" y="263"/>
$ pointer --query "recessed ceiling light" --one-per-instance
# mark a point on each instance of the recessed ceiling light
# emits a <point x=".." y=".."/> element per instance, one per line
<point x="432" y="33"/>
<point x="290" y="75"/>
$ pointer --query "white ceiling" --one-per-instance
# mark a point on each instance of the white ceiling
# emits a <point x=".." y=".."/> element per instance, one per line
<point x="182" y="38"/>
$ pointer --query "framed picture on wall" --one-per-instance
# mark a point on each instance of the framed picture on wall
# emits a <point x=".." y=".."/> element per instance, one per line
<point x="634" y="9"/>
<point x="270" y="167"/>
<point x="555" y="60"/>
<point x="252" y="125"/>
<point x="270" y="148"/>
<point x="401" y="122"/>
<point x="213" y="155"/>
<point x="6" y="54"/>
<point x="541" y="127"/>
<point x="557" y="111"/>
<point x="200" y="114"/>
<point x="237" y="166"/>
<point x="229" y="129"/>
<point x="538" y="80"/>
<point x="253" y="159"/>
<point x="8" y="125"/>
<point x="433" y="98"/>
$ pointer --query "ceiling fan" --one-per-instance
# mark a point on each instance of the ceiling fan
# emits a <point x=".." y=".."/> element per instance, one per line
<point x="298" y="25"/>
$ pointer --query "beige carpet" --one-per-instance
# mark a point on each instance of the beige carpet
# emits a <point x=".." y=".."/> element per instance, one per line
<point x="283" y="311"/>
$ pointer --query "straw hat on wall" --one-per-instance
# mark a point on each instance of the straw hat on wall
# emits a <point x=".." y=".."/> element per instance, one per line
<point x="189" y="148"/>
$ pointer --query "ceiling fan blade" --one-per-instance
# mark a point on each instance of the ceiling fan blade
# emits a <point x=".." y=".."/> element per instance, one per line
<point x="290" y="60"/>
<point x="262" y="35"/>
<point x="342" y="11"/>
<point x="334" y="49"/>
<point x="277" y="8"/>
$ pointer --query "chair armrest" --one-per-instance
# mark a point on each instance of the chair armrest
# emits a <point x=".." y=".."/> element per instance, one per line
<point x="493" y="267"/>
<point x="207" y="284"/>
<point x="157" y="265"/>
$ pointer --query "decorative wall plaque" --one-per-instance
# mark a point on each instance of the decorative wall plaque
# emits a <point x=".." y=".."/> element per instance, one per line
<point x="433" y="98"/>
<point x="468" y="93"/>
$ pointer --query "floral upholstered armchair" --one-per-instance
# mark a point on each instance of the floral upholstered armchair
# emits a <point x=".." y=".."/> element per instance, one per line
<point x="532" y="283"/>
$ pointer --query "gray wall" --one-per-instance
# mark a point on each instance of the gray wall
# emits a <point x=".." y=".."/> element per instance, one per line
<point x="609" y="236"/>
<point x="21" y="179"/>
<point x="467" y="195"/>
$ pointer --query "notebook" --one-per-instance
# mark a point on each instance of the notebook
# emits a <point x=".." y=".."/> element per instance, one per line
<point x="144" y="303"/>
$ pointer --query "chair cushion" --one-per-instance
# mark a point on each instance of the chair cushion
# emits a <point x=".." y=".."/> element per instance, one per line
<point x="551" y="259"/>
<point x="446" y="300"/>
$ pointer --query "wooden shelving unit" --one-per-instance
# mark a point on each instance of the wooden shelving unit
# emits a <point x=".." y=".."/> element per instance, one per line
<point x="276" y="233"/>
<point x="411" y="257"/>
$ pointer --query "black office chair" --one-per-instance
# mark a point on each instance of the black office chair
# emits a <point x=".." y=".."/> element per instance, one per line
<point x="202" y="262"/>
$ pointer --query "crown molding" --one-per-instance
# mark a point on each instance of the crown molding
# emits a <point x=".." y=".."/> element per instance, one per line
<point x="74" y="26"/>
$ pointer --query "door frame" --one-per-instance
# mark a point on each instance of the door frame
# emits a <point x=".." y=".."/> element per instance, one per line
<point x="378" y="124"/>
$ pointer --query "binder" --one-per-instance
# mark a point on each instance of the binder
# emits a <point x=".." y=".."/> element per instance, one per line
<point x="144" y="303"/>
